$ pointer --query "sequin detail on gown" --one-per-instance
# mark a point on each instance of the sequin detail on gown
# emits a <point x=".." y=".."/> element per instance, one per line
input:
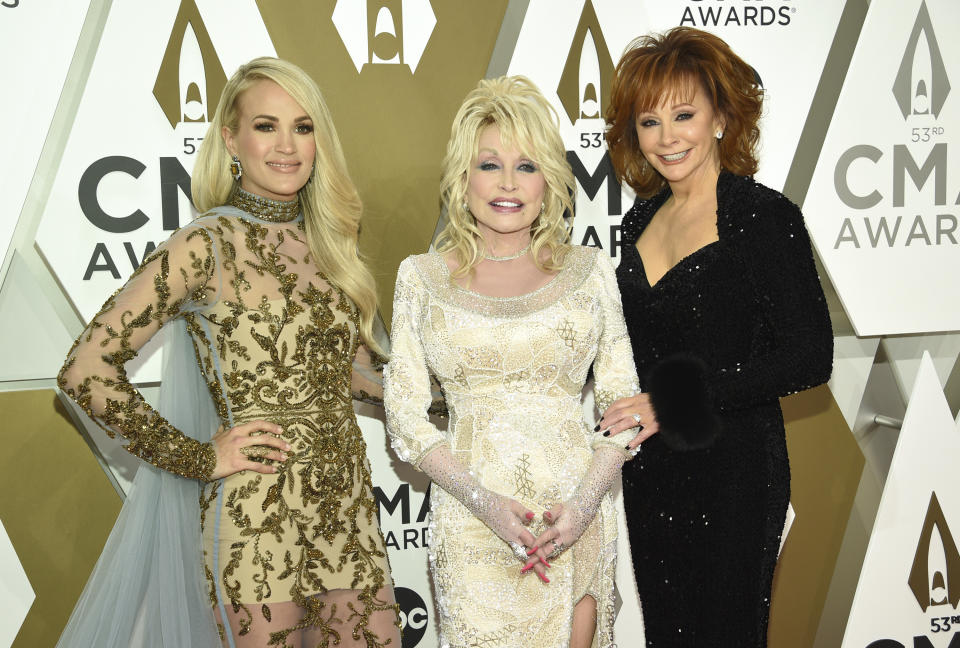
<point x="705" y="525"/>
<point x="293" y="558"/>
<point x="512" y="370"/>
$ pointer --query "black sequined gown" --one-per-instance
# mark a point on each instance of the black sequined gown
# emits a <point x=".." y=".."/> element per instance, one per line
<point x="705" y="525"/>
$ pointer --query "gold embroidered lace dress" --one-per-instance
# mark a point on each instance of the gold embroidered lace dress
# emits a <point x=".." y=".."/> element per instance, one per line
<point x="512" y="371"/>
<point x="292" y="558"/>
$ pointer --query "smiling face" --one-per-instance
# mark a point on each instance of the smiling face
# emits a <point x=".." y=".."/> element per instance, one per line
<point x="678" y="139"/>
<point x="274" y="141"/>
<point x="505" y="188"/>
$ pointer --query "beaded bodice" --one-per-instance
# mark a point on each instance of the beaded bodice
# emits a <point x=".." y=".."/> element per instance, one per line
<point x="273" y="338"/>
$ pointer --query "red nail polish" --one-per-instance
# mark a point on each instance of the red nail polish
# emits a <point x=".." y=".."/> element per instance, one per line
<point x="531" y="551"/>
<point x="529" y="515"/>
<point x="548" y="515"/>
<point x="525" y="568"/>
<point x="544" y="578"/>
<point x="545" y="563"/>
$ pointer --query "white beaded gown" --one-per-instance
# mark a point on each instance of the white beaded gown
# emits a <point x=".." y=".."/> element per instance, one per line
<point x="512" y="371"/>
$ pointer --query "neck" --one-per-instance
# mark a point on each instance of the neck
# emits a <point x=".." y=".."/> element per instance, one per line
<point x="696" y="188"/>
<point x="505" y="245"/>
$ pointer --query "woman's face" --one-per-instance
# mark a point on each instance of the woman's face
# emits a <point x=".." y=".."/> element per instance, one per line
<point x="505" y="188"/>
<point x="678" y="139"/>
<point x="274" y="141"/>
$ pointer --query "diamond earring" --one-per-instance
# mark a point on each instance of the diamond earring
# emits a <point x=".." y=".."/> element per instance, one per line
<point x="236" y="169"/>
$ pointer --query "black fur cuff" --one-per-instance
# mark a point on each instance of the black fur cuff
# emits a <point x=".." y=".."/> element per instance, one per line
<point x="683" y="403"/>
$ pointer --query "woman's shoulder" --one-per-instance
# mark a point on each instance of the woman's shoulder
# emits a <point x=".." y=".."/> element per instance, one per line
<point x="637" y="217"/>
<point x="749" y="206"/>
<point x="421" y="268"/>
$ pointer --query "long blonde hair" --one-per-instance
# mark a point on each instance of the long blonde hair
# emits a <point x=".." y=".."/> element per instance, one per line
<point x="330" y="203"/>
<point x="528" y="122"/>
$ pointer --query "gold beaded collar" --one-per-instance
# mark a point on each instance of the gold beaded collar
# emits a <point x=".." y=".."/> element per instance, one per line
<point x="275" y="211"/>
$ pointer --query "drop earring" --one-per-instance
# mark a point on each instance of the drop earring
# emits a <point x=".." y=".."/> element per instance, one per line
<point x="236" y="169"/>
<point x="719" y="134"/>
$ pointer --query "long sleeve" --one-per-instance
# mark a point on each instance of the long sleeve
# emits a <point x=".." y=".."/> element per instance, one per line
<point x="407" y="388"/>
<point x="792" y="339"/>
<point x="180" y="274"/>
<point x="615" y="374"/>
<point x="794" y="315"/>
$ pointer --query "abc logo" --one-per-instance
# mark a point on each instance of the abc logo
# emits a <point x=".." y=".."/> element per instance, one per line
<point x="413" y="616"/>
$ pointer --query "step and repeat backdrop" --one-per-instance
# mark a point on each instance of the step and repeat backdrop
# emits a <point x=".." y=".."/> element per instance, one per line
<point x="107" y="102"/>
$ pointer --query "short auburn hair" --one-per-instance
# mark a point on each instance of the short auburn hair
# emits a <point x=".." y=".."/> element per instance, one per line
<point x="659" y="67"/>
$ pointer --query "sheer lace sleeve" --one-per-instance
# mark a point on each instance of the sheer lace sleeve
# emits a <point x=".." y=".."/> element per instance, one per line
<point x="407" y="385"/>
<point x="179" y="275"/>
<point x="614" y="372"/>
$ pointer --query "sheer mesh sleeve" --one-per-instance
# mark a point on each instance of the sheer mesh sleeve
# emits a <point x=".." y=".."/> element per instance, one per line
<point x="615" y="374"/>
<point x="407" y="385"/>
<point x="180" y="274"/>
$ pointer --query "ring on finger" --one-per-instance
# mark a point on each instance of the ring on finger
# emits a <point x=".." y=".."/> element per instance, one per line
<point x="637" y="418"/>
<point x="519" y="551"/>
<point x="557" y="547"/>
<point x="635" y="451"/>
<point x="255" y="451"/>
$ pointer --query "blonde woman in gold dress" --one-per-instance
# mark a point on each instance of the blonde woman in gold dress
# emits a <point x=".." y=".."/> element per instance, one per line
<point x="509" y="318"/>
<point x="280" y="311"/>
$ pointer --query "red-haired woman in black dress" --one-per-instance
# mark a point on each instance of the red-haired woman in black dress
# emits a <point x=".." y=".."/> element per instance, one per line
<point x="726" y="315"/>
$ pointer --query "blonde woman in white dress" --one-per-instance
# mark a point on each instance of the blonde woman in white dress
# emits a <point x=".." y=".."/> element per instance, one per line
<point x="509" y="318"/>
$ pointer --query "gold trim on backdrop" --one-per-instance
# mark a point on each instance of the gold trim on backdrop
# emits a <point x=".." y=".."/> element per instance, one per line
<point x="64" y="508"/>
<point x="826" y="464"/>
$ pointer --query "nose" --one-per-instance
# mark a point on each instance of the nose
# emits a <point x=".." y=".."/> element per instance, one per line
<point x="507" y="181"/>
<point x="286" y="143"/>
<point x="666" y="133"/>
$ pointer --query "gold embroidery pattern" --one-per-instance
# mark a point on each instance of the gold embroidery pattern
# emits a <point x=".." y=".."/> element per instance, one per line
<point x="275" y="341"/>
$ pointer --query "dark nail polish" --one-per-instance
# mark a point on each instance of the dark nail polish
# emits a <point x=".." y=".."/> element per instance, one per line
<point x="626" y="447"/>
<point x="597" y="429"/>
<point x="606" y="433"/>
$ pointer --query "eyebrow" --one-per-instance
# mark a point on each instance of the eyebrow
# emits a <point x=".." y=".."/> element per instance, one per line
<point x="302" y="118"/>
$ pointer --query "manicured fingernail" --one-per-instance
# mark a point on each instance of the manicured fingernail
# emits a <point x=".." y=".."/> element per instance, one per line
<point x="286" y="446"/>
<point x="601" y="417"/>
<point x="525" y="568"/>
<point x="283" y="457"/>
<point x="548" y="514"/>
<point x="531" y="551"/>
<point x="529" y="515"/>
<point x="544" y="578"/>
<point x="626" y="447"/>
<point x="606" y="433"/>
<point x="642" y="427"/>
<point x="597" y="429"/>
<point x="545" y="563"/>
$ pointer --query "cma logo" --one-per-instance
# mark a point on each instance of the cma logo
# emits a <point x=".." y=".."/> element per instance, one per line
<point x="934" y="581"/>
<point x="384" y="32"/>
<point x="413" y="616"/>
<point x="921" y="86"/>
<point x="935" y="573"/>
<point x="588" y="71"/>
<point x="190" y="79"/>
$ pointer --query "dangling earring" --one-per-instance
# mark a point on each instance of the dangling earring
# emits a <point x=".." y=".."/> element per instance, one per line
<point x="465" y="207"/>
<point x="719" y="134"/>
<point x="313" y="170"/>
<point x="543" y="206"/>
<point x="236" y="169"/>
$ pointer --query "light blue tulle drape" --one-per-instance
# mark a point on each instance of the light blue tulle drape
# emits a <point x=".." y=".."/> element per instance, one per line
<point x="147" y="589"/>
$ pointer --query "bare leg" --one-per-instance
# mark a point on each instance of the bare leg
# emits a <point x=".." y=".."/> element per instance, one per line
<point x="358" y="622"/>
<point x="584" y="623"/>
<point x="251" y="629"/>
